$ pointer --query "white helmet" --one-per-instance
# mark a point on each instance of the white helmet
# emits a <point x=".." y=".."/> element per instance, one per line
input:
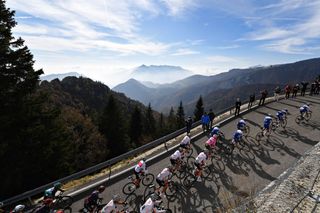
<point x="216" y="128"/>
<point x="239" y="131"/>
<point x="19" y="208"/>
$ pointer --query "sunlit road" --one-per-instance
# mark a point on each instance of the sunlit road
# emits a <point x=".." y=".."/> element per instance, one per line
<point x="247" y="171"/>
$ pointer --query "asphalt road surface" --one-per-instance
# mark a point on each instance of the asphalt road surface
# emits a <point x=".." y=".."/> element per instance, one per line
<point x="249" y="169"/>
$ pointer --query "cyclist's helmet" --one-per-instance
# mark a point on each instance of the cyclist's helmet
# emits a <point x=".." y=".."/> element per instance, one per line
<point x="57" y="185"/>
<point x="170" y="167"/>
<point x="216" y="128"/>
<point x="242" y="121"/>
<point x="116" y="198"/>
<point x="101" y="188"/>
<point x="239" y="131"/>
<point x="144" y="159"/>
<point x="285" y="110"/>
<point x="19" y="208"/>
<point x="269" y="115"/>
<point x="308" y="104"/>
<point x="180" y="149"/>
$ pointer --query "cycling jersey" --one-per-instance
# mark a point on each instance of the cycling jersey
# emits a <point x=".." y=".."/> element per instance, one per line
<point x="241" y="124"/>
<point x="201" y="158"/>
<point x="212" y="141"/>
<point x="164" y="174"/>
<point x="93" y="198"/>
<point x="215" y="131"/>
<point x="140" y="167"/>
<point x="176" y="155"/>
<point x="267" y="121"/>
<point x="237" y="135"/>
<point x="149" y="206"/>
<point x="304" y="108"/>
<point x="185" y="140"/>
<point x="280" y="115"/>
<point x="110" y="207"/>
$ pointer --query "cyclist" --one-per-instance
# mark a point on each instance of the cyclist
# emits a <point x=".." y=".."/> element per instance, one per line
<point x="267" y="123"/>
<point x="149" y="205"/>
<point x="51" y="192"/>
<point x="92" y="201"/>
<point x="139" y="169"/>
<point x="113" y="204"/>
<point x="304" y="109"/>
<point x="176" y="158"/>
<point x="285" y="112"/>
<point x="185" y="143"/>
<point x="237" y="137"/>
<point x="280" y="115"/>
<point x="200" y="163"/>
<point x="215" y="131"/>
<point x="241" y="124"/>
<point x="163" y="179"/>
<point x="211" y="143"/>
<point x="19" y="208"/>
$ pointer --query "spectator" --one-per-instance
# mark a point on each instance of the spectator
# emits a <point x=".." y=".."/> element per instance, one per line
<point x="264" y="94"/>
<point x="287" y="90"/>
<point x="313" y="88"/>
<point x="304" y="87"/>
<point x="317" y="87"/>
<point x="205" y="120"/>
<point x="295" y="90"/>
<point x="211" y="116"/>
<point x="238" y="105"/>
<point x="251" y="100"/>
<point x="277" y="91"/>
<point x="189" y="124"/>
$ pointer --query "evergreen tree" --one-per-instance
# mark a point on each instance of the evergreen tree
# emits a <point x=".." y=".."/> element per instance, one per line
<point x="150" y="123"/>
<point x="32" y="139"/>
<point x="172" y="121"/>
<point x="136" y="128"/>
<point x="114" y="127"/>
<point x="180" y="116"/>
<point x="198" y="112"/>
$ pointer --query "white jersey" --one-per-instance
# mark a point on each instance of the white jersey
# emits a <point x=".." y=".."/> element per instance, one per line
<point x="141" y="166"/>
<point x="164" y="174"/>
<point x="176" y="155"/>
<point x="147" y="207"/>
<point x="201" y="157"/>
<point x="111" y="206"/>
<point x="185" y="140"/>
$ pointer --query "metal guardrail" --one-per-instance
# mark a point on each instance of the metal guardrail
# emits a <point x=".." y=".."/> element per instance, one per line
<point x="108" y="163"/>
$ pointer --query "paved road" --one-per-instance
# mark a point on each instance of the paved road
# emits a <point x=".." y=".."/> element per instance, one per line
<point x="245" y="172"/>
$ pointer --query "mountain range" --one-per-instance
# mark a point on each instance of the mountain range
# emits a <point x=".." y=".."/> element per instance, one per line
<point x="51" y="77"/>
<point x="163" y="97"/>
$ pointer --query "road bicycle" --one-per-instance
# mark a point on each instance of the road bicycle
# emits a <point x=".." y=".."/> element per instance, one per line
<point x="278" y="123"/>
<point x="131" y="186"/>
<point x="305" y="116"/>
<point x="263" y="133"/>
<point x="152" y="189"/>
<point x="192" y="177"/>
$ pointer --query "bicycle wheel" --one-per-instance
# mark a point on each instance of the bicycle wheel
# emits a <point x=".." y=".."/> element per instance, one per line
<point x="284" y="123"/>
<point x="149" y="191"/>
<point x="129" y="188"/>
<point x="67" y="210"/>
<point x="308" y="116"/>
<point x="148" y="179"/>
<point x="63" y="202"/>
<point x="188" y="152"/>
<point x="190" y="162"/>
<point x="189" y="180"/>
<point x="182" y="172"/>
<point x="259" y="136"/>
<point x="298" y="119"/>
<point x="171" y="190"/>
<point x="206" y="172"/>
<point x="246" y="130"/>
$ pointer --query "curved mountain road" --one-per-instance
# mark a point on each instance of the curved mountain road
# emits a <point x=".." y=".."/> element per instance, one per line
<point x="244" y="173"/>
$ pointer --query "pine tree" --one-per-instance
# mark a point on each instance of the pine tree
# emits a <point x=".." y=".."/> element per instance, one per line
<point x="172" y="121"/>
<point x="198" y="112"/>
<point x="136" y="128"/>
<point x="150" y="123"/>
<point x="114" y="127"/>
<point x="180" y="116"/>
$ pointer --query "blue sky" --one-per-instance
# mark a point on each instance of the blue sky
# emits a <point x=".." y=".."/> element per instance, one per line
<point x="106" y="39"/>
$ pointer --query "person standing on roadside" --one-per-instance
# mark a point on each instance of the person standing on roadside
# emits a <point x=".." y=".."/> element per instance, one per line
<point x="238" y="105"/>
<point x="211" y="116"/>
<point x="277" y="91"/>
<point x="295" y="90"/>
<point x="189" y="124"/>
<point x="251" y="100"/>
<point x="287" y="90"/>
<point x="205" y="120"/>
<point x="304" y="87"/>
<point x="264" y="94"/>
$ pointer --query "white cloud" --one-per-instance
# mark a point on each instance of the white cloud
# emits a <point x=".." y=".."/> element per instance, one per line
<point x="179" y="7"/>
<point x="185" y="51"/>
